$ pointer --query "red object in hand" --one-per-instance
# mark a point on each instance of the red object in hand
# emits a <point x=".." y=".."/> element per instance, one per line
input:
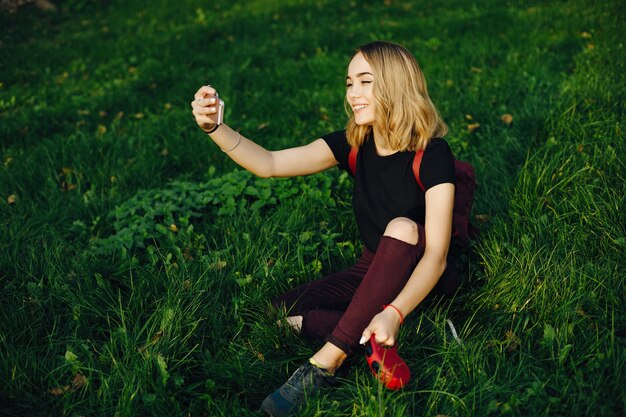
<point x="385" y="363"/>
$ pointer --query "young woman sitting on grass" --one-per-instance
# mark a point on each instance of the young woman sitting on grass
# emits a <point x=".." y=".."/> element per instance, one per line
<point x="406" y="232"/>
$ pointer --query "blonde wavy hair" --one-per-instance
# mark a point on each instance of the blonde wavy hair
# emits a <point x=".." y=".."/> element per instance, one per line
<point x="406" y="118"/>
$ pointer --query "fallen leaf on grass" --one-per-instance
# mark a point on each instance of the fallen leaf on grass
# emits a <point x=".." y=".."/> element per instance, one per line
<point x="483" y="218"/>
<point x="507" y="118"/>
<point x="585" y="35"/>
<point x="11" y="199"/>
<point x="58" y="390"/>
<point x="78" y="382"/>
<point x="66" y="183"/>
<point x="476" y="70"/>
<point x="157" y="336"/>
<point x="67" y="186"/>
<point x="473" y="127"/>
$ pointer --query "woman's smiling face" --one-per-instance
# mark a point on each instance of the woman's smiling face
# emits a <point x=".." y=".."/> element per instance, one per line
<point x="360" y="90"/>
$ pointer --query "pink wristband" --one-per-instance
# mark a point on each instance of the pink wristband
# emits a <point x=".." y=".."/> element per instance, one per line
<point x="395" y="308"/>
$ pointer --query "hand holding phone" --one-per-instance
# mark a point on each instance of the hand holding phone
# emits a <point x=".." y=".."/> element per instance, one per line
<point x="208" y="109"/>
<point x="218" y="116"/>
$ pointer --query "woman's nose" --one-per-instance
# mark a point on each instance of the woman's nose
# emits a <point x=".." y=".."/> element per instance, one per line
<point x="354" y="92"/>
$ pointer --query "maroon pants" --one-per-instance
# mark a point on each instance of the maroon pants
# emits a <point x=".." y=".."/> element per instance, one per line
<point x="337" y="308"/>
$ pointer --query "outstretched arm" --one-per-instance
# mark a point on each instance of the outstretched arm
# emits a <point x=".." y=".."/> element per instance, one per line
<point x="302" y="160"/>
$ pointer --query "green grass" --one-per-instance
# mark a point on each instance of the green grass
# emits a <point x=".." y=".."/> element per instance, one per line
<point x="108" y="309"/>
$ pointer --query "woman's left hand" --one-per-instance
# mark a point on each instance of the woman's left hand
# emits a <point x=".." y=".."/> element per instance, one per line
<point x="385" y="326"/>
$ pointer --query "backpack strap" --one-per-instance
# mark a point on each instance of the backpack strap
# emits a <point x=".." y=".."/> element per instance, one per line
<point x="417" y="163"/>
<point x="352" y="159"/>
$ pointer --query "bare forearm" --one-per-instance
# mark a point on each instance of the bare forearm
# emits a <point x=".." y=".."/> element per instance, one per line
<point x="421" y="282"/>
<point x="300" y="160"/>
<point x="243" y="151"/>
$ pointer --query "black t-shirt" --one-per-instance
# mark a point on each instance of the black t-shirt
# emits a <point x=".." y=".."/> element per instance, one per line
<point x="385" y="186"/>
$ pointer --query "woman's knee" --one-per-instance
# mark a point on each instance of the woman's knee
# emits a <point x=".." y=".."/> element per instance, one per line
<point x="404" y="229"/>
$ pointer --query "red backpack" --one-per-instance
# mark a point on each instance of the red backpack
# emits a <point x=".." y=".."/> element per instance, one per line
<point x="463" y="195"/>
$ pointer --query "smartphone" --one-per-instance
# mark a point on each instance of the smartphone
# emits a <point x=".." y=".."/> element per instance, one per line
<point x="218" y="117"/>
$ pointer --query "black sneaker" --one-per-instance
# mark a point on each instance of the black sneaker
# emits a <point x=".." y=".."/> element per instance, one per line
<point x="304" y="383"/>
